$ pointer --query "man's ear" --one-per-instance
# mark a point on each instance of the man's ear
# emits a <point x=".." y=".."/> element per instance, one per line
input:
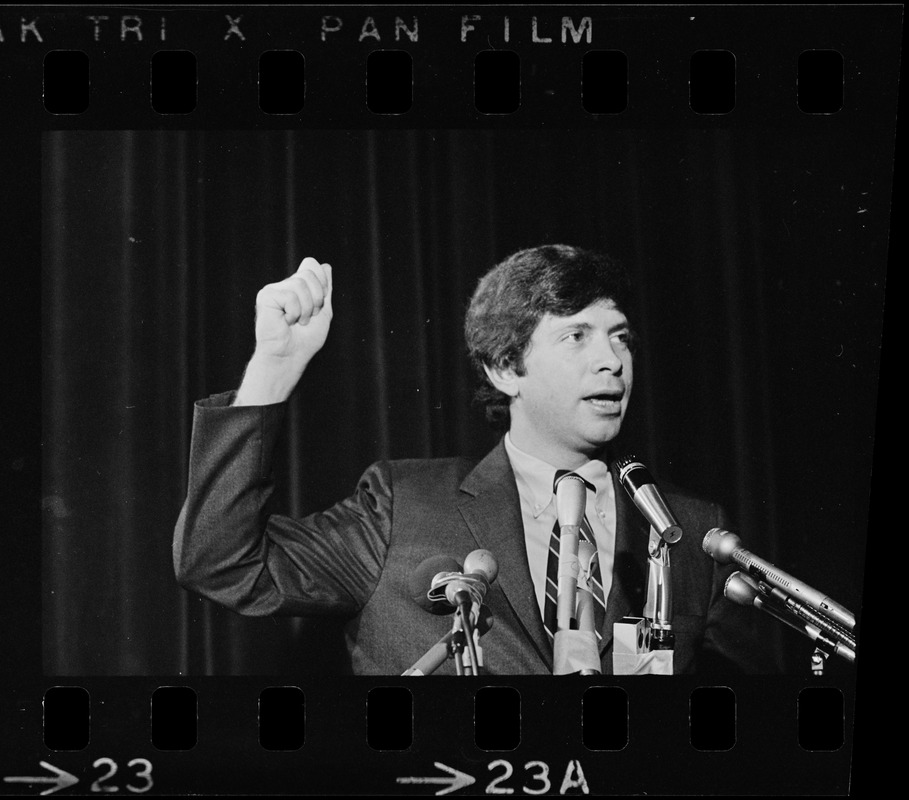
<point x="505" y="379"/>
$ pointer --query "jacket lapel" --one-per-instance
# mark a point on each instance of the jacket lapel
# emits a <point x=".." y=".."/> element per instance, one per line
<point x="491" y="508"/>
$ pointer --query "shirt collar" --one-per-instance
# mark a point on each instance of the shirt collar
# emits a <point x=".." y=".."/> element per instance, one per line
<point x="534" y="477"/>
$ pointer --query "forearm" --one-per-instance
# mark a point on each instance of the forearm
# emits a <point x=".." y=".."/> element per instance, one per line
<point x="266" y="381"/>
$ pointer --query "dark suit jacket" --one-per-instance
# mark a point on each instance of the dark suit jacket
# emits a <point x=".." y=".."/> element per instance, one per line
<point x="355" y="559"/>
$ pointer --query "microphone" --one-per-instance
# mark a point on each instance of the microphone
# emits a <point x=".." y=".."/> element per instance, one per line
<point x="466" y="592"/>
<point x="450" y="589"/>
<point x="742" y="589"/>
<point x="571" y="499"/>
<point x="480" y="570"/>
<point x="571" y="502"/>
<point x="636" y="479"/>
<point x="425" y="577"/>
<point x="575" y="646"/>
<point x="725" y="548"/>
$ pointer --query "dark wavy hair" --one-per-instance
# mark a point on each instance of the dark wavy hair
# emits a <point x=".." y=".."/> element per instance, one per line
<point x="511" y="299"/>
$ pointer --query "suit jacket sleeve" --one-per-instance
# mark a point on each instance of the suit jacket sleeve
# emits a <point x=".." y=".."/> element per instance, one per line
<point x="227" y="548"/>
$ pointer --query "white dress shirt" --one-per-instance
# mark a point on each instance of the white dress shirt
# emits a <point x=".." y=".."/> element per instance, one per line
<point x="535" y="478"/>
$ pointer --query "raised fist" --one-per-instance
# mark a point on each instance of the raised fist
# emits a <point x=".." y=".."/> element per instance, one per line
<point x="292" y="321"/>
<point x="293" y="316"/>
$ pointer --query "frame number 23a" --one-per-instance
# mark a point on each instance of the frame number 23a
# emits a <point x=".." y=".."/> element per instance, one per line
<point x="536" y="778"/>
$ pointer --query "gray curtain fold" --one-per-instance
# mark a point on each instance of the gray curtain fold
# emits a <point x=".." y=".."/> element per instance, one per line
<point x="751" y="308"/>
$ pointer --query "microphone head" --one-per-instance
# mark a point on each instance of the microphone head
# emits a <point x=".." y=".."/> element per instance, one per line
<point x="720" y="545"/>
<point x="741" y="589"/>
<point x="632" y="473"/>
<point x="571" y="499"/>
<point x="482" y="562"/>
<point x="421" y="579"/>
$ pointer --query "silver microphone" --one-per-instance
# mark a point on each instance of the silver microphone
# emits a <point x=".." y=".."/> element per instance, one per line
<point x="744" y="591"/>
<point x="638" y="482"/>
<point x="725" y="548"/>
<point x="571" y="502"/>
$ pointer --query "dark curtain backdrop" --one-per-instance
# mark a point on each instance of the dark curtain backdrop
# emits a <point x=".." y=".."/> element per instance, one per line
<point x="759" y="259"/>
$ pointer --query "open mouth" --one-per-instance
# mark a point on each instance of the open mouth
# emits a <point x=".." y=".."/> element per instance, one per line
<point x="605" y="402"/>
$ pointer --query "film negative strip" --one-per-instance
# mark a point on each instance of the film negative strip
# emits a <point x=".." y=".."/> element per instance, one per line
<point x="165" y="165"/>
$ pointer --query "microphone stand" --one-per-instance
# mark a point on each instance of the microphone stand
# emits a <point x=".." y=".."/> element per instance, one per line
<point x="658" y="607"/>
<point x="645" y="645"/>
<point x="465" y="633"/>
<point x="451" y="646"/>
<point x="457" y="643"/>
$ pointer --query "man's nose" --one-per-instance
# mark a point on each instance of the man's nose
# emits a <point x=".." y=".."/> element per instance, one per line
<point x="605" y="356"/>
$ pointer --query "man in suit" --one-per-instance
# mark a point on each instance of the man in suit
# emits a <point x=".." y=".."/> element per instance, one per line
<point x="548" y="333"/>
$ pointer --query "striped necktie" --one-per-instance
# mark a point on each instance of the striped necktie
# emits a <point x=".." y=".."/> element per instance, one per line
<point x="552" y="581"/>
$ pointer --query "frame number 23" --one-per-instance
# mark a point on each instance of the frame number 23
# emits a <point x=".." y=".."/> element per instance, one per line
<point x="138" y="780"/>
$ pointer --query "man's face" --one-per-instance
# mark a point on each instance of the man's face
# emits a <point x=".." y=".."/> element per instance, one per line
<point x="573" y="394"/>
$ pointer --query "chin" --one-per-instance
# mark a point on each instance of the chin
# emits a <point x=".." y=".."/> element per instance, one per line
<point x="594" y="444"/>
<point x="601" y="444"/>
<point x="608" y="432"/>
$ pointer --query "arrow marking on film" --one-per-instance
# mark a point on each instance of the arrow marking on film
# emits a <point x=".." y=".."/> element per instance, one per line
<point x="458" y="779"/>
<point x="62" y="780"/>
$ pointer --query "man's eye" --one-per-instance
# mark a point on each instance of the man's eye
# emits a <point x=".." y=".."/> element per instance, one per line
<point x="575" y="336"/>
<point x="623" y="338"/>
